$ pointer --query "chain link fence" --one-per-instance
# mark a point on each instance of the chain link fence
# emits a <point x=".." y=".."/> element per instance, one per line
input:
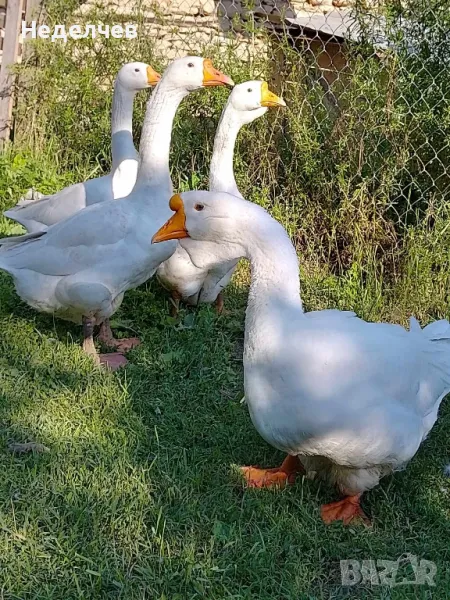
<point x="357" y="166"/>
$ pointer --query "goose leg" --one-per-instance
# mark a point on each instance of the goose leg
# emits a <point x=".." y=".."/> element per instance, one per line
<point x="88" y="338"/>
<point x="107" y="338"/>
<point x="280" y="476"/>
<point x="175" y="300"/>
<point x="219" y="304"/>
<point x="112" y="361"/>
<point x="345" y="510"/>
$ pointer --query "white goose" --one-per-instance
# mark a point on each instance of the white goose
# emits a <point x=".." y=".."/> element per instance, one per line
<point x="80" y="268"/>
<point x="185" y="276"/>
<point x="38" y="215"/>
<point x="351" y="400"/>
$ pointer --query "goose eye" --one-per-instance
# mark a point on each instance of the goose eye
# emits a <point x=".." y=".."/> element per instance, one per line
<point x="199" y="207"/>
<point x="249" y="90"/>
<point x="137" y="70"/>
<point x="190" y="64"/>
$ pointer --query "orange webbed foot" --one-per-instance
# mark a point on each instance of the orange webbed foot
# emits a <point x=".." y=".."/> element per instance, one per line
<point x="347" y="510"/>
<point x="278" y="477"/>
<point x="113" y="361"/>
<point x="106" y="337"/>
<point x="126" y="344"/>
<point x="263" y="478"/>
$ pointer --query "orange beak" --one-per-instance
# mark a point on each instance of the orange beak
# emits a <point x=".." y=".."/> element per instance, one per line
<point x="152" y="76"/>
<point x="212" y="76"/>
<point x="175" y="228"/>
<point x="268" y="98"/>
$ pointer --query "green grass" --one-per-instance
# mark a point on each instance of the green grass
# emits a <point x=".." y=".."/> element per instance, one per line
<point x="138" y="497"/>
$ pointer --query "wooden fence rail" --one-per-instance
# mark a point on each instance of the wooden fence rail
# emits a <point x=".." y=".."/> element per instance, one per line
<point x="12" y="13"/>
<point x="9" y="57"/>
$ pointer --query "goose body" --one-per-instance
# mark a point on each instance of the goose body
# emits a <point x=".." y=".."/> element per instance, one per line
<point x="80" y="268"/>
<point x="75" y="270"/>
<point x="352" y="400"/>
<point x="38" y="215"/>
<point x="200" y="275"/>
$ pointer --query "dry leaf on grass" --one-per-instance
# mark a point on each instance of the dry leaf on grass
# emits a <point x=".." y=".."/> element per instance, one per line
<point x="23" y="448"/>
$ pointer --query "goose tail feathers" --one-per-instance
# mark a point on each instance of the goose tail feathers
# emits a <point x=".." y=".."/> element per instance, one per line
<point x="438" y="330"/>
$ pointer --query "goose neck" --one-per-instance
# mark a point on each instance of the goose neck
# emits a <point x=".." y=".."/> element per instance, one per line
<point x="156" y="136"/>
<point x="122" y="145"/>
<point x="221" y="174"/>
<point x="274" y="294"/>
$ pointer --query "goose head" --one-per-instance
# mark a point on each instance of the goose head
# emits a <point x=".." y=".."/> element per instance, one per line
<point x="216" y="217"/>
<point x="137" y="76"/>
<point x="251" y="99"/>
<point x="230" y="226"/>
<point x="194" y="72"/>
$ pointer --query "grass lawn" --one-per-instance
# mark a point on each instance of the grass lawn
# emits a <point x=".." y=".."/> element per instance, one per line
<point x="138" y="496"/>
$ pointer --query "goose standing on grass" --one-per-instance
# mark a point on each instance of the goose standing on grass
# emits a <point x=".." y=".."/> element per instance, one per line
<point x="187" y="277"/>
<point x="347" y="400"/>
<point x="79" y="269"/>
<point x="38" y="215"/>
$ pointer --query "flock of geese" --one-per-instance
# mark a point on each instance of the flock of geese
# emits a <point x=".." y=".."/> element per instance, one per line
<point x="348" y="401"/>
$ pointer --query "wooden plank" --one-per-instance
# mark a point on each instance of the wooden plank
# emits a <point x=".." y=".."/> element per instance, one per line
<point x="32" y="10"/>
<point x="9" y="57"/>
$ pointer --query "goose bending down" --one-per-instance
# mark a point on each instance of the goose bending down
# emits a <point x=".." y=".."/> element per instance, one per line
<point x="79" y="269"/>
<point x="348" y="400"/>
<point x="184" y="275"/>
<point x="38" y="215"/>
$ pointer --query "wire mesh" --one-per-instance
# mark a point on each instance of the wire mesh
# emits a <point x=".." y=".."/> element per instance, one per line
<point x="368" y="80"/>
<point x="371" y="76"/>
